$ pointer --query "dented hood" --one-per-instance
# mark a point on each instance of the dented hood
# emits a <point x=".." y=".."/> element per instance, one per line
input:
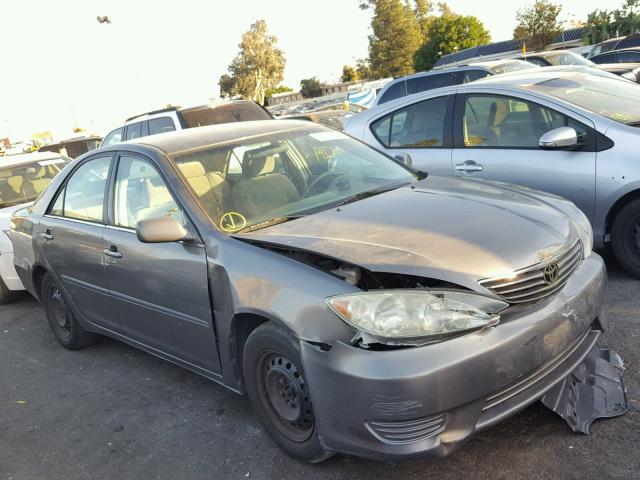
<point x="450" y="229"/>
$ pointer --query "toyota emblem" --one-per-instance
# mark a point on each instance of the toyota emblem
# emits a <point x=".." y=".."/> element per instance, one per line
<point x="551" y="273"/>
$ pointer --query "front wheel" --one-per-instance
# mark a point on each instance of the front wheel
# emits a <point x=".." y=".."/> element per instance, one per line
<point x="279" y="394"/>
<point x="62" y="321"/>
<point x="625" y="237"/>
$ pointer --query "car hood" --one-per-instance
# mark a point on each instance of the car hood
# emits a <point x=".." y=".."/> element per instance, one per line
<point x="455" y="230"/>
<point x="5" y="215"/>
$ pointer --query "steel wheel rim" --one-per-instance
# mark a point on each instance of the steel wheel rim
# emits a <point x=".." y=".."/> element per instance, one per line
<point x="58" y="311"/>
<point x="285" y="396"/>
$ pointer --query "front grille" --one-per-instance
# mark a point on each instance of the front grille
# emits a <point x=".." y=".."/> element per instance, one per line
<point x="533" y="283"/>
<point x="410" y="431"/>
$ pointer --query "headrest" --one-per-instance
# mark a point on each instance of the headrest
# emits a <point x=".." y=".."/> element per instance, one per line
<point x="191" y="169"/>
<point x="498" y="113"/>
<point x="254" y="166"/>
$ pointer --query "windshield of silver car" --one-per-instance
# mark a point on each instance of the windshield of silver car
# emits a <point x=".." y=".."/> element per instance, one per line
<point x="615" y="99"/>
<point x="258" y="181"/>
<point x="23" y="183"/>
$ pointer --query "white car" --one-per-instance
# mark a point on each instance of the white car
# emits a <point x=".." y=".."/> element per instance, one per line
<point x="22" y="178"/>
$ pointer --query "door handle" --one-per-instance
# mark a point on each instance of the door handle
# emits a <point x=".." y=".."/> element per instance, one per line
<point x="112" y="251"/>
<point x="47" y="235"/>
<point x="469" y="166"/>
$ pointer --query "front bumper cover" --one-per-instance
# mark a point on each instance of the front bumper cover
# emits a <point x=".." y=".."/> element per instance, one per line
<point x="427" y="401"/>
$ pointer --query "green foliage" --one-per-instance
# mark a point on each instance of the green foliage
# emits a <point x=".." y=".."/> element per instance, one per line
<point x="604" y="24"/>
<point x="395" y="39"/>
<point x="450" y="33"/>
<point x="278" y="89"/>
<point x="311" y="87"/>
<point x="258" y="67"/>
<point x="363" y="69"/>
<point x="538" y="24"/>
<point x="349" y="74"/>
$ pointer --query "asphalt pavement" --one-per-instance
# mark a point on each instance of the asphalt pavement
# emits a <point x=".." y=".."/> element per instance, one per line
<point x="113" y="412"/>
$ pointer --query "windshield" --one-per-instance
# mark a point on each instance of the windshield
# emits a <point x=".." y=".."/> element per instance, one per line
<point x="615" y="99"/>
<point x="23" y="183"/>
<point x="227" y="113"/>
<point x="512" y="66"/>
<point x="271" y="178"/>
<point x="567" y="58"/>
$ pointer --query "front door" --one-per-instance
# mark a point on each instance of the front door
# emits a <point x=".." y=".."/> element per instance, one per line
<point x="161" y="289"/>
<point x="70" y="235"/>
<point x="420" y="130"/>
<point x="499" y="141"/>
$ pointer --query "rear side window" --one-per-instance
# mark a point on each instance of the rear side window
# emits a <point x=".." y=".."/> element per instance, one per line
<point x="161" y="125"/>
<point x="134" y="130"/>
<point x="113" y="137"/>
<point x="430" y="82"/>
<point x="473" y="75"/>
<point x="396" y="90"/>
<point x="82" y="197"/>
<point x="420" y="125"/>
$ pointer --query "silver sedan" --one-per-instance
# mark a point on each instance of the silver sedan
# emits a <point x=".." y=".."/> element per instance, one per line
<point x="566" y="132"/>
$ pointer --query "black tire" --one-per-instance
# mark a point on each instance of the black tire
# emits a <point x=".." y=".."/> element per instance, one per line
<point x="275" y="383"/>
<point x="625" y="237"/>
<point x="6" y="295"/>
<point x="62" y="321"/>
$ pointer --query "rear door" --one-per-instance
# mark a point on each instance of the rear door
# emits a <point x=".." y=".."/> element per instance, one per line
<point x="420" y="129"/>
<point x="70" y="235"/>
<point x="161" y="290"/>
<point x="496" y="138"/>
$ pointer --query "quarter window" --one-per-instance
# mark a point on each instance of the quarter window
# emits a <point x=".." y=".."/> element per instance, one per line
<point x="83" y="196"/>
<point x="141" y="194"/>
<point x="473" y="75"/>
<point x="505" y="122"/>
<point x="430" y="82"/>
<point x="134" y="130"/>
<point x="113" y="137"/>
<point x="420" y="125"/>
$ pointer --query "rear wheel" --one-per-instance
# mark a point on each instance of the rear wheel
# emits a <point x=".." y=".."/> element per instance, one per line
<point x="62" y="321"/>
<point x="279" y="394"/>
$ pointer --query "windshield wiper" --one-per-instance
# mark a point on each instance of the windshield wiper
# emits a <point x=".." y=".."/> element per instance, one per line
<point x="269" y="223"/>
<point x="369" y="193"/>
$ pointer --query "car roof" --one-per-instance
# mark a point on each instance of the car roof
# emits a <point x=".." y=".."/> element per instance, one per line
<point x="195" y="138"/>
<point x="176" y="108"/>
<point x="533" y="77"/>
<point x="27" y="158"/>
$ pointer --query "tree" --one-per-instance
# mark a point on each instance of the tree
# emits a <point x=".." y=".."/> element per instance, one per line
<point x="450" y="33"/>
<point x="395" y="39"/>
<point x="349" y="74"/>
<point x="538" y="24"/>
<point x="311" y="87"/>
<point x="602" y="24"/>
<point x="278" y="89"/>
<point x="258" y="67"/>
<point x="364" y="69"/>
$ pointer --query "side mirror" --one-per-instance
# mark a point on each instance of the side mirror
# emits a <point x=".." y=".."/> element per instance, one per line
<point x="404" y="158"/>
<point x="161" y="230"/>
<point x="563" y="138"/>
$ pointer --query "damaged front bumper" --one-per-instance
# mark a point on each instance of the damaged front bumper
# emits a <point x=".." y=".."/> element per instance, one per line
<point x="429" y="400"/>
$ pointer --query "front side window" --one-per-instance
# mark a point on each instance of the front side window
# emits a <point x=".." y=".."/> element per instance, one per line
<point x="113" y="137"/>
<point x="431" y="82"/>
<point x="420" y="125"/>
<point x="23" y="183"/>
<point x="141" y="194"/>
<point x="251" y="182"/>
<point x="396" y="90"/>
<point x="83" y="196"/>
<point x="507" y="122"/>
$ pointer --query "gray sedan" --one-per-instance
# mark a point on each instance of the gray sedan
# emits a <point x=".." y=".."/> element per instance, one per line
<point x="362" y="307"/>
<point x="560" y="131"/>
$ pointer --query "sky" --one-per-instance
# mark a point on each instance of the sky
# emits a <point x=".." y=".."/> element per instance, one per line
<point x="61" y="68"/>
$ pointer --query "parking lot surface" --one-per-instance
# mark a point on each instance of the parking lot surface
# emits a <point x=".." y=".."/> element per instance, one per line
<point x="111" y="411"/>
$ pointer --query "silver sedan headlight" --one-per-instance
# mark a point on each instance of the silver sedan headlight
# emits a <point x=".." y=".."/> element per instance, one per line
<point x="416" y="317"/>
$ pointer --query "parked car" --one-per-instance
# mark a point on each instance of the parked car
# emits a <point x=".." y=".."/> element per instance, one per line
<point x="555" y="58"/>
<point x="329" y="118"/>
<point x="73" y="147"/>
<point x="628" y="55"/>
<point x="614" y="44"/>
<point x="288" y="261"/>
<point x="564" y="132"/>
<point x="22" y="178"/>
<point x="177" y="118"/>
<point x="443" y="77"/>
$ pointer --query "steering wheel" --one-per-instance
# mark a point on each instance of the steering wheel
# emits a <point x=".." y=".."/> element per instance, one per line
<point x="323" y="183"/>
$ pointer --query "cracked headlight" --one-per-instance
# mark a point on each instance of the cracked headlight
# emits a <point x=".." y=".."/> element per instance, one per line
<point x="414" y="317"/>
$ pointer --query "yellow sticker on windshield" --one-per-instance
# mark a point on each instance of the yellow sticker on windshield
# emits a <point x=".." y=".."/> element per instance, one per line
<point x="231" y="222"/>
